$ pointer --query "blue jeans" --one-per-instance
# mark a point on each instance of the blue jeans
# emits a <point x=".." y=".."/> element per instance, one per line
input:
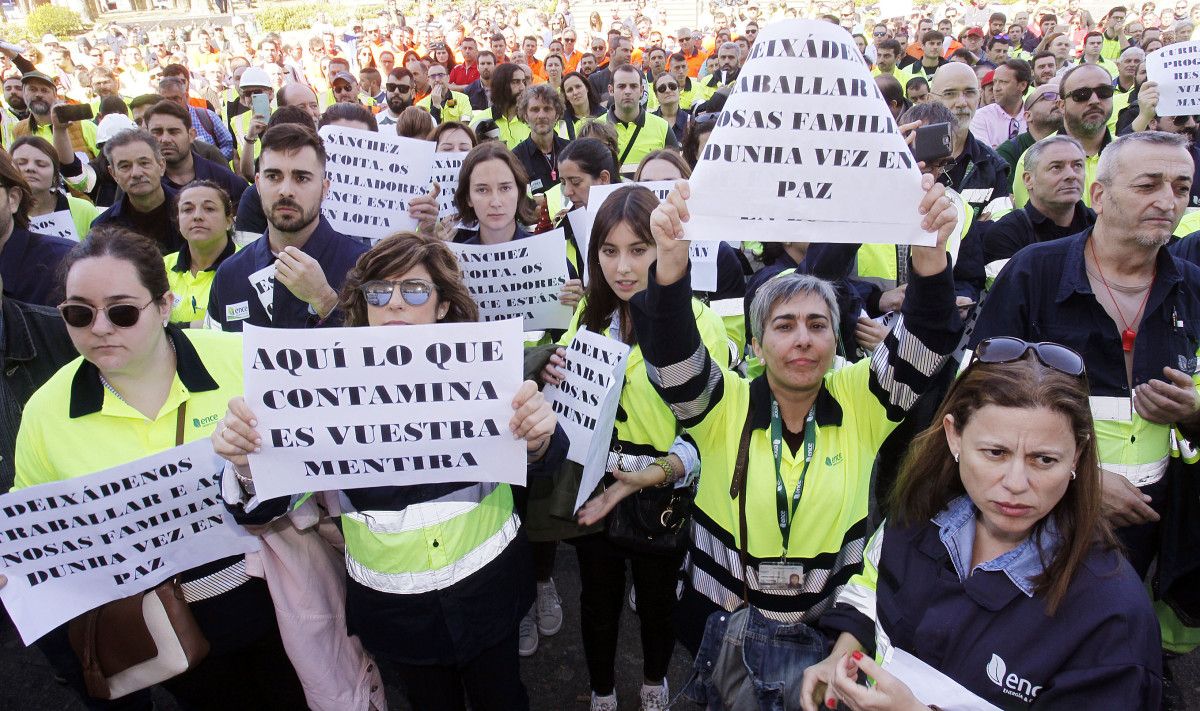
<point x="749" y="662"/>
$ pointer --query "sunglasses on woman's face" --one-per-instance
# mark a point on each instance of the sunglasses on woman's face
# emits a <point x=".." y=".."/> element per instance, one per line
<point x="668" y="86"/>
<point x="119" y="315"/>
<point x="1181" y="121"/>
<point x="379" y="292"/>
<point x="1006" y="349"/>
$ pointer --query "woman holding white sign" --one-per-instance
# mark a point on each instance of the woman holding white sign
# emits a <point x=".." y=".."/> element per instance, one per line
<point x="652" y="463"/>
<point x="439" y="574"/>
<point x="53" y="210"/>
<point x="770" y="536"/>
<point x="143" y="386"/>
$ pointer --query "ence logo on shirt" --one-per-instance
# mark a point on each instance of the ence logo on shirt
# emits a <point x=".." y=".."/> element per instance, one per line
<point x="1011" y="684"/>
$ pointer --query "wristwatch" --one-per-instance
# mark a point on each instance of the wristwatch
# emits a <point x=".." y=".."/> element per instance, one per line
<point x="672" y="475"/>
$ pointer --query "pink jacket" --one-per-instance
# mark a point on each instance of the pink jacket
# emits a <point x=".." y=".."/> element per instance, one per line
<point x="302" y="562"/>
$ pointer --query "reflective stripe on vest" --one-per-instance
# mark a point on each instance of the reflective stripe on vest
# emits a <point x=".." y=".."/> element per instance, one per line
<point x="1129" y="445"/>
<point x="431" y="544"/>
<point x="413" y="583"/>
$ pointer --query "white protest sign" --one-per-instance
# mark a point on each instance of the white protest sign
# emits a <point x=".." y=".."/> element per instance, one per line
<point x="932" y="687"/>
<point x="586" y="402"/>
<point x="73" y="545"/>
<point x="346" y="408"/>
<point x="518" y="280"/>
<point x="806" y="150"/>
<point x="263" y="282"/>
<point x="703" y="254"/>
<point x="57" y="224"/>
<point x="372" y="177"/>
<point x="445" y="174"/>
<point x="1176" y="70"/>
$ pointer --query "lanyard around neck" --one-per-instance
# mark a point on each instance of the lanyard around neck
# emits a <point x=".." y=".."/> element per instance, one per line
<point x="781" y="498"/>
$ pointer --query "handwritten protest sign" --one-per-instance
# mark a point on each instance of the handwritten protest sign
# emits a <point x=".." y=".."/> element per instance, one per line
<point x="372" y="177"/>
<point x="1176" y="70"/>
<point x="519" y="279"/>
<point x="586" y="402"/>
<point x="73" y="545"/>
<point x="703" y="254"/>
<point x="806" y="150"/>
<point x="445" y="174"/>
<point x="57" y="224"/>
<point x="346" y="408"/>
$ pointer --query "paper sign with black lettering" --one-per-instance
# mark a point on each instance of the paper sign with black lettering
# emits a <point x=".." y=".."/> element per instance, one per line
<point x="1176" y="70"/>
<point x="703" y="254"/>
<point x="347" y="408"/>
<point x="520" y="279"/>
<point x="372" y="177"/>
<point x="586" y="403"/>
<point x="445" y="174"/>
<point x="73" y="545"/>
<point x="263" y="282"/>
<point x="56" y="224"/>
<point x="806" y="150"/>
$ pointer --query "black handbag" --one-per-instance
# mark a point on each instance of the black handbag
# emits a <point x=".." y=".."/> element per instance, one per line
<point x="651" y="520"/>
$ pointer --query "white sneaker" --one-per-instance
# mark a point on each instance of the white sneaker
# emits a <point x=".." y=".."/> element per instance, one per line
<point x="549" y="609"/>
<point x="656" y="697"/>
<point x="527" y="643"/>
<point x="605" y="703"/>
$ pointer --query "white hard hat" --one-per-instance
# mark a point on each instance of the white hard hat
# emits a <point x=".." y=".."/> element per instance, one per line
<point x="113" y="124"/>
<point x="253" y="76"/>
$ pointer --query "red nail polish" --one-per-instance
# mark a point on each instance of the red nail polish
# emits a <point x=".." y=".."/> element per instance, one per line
<point x="857" y="655"/>
<point x="831" y="703"/>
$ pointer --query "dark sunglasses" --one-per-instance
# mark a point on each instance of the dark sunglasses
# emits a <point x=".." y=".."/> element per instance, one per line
<point x="379" y="292"/>
<point x="119" y="315"/>
<point x="1006" y="349"/>
<point x="707" y="117"/>
<point x="667" y="86"/>
<point x="1083" y="93"/>
<point x="1182" y="120"/>
<point x="399" y="87"/>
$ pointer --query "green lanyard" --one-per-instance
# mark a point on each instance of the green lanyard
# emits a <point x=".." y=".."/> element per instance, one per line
<point x="810" y="444"/>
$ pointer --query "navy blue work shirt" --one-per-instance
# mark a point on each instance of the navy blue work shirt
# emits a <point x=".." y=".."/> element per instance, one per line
<point x="234" y="302"/>
<point x="206" y="169"/>
<point x="1043" y="294"/>
<point x="29" y="266"/>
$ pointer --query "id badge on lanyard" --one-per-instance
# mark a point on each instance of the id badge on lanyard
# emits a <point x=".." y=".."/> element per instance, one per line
<point x="783" y="575"/>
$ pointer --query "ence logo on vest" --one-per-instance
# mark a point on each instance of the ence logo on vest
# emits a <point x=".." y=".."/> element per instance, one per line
<point x="1011" y="684"/>
<point x="834" y="460"/>
<point x="199" y="422"/>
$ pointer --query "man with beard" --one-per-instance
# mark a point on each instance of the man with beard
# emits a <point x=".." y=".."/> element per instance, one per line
<point x="14" y="98"/>
<point x="309" y="258"/>
<point x="442" y="103"/>
<point x="41" y="95"/>
<point x="398" y="91"/>
<point x="1045" y="66"/>
<point x="975" y="172"/>
<point x="541" y="107"/>
<point x="1054" y="170"/>
<point x="727" y="69"/>
<point x="1043" y="117"/>
<point x="1118" y="297"/>
<point x="479" y="92"/>
<point x="1086" y="98"/>
<point x="171" y="124"/>
<point x="136" y="164"/>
